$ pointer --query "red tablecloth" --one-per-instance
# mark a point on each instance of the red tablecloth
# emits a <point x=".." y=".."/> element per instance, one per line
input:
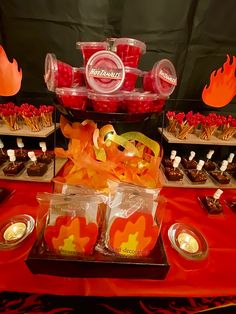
<point x="216" y="276"/>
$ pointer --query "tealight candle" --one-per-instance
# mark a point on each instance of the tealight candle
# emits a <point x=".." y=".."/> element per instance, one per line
<point x="15" y="231"/>
<point x="187" y="242"/>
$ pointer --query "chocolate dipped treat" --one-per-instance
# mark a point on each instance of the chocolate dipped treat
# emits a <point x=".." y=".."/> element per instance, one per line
<point x="168" y="162"/>
<point x="173" y="174"/>
<point x="189" y="162"/>
<point x="209" y="165"/>
<point x="221" y="177"/>
<point x="45" y="158"/>
<point x="37" y="169"/>
<point x="212" y="203"/>
<point x="197" y="175"/>
<point x="231" y="167"/>
<point x="21" y="155"/>
<point x="13" y="168"/>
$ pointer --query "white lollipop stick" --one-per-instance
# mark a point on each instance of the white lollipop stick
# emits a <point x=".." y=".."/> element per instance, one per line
<point x="200" y="165"/>
<point x="192" y="155"/>
<point x="210" y="154"/>
<point x="217" y="194"/>
<point x="1" y="147"/>
<point x="230" y="158"/>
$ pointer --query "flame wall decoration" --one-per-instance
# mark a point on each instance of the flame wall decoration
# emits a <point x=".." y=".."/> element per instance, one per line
<point x="222" y="87"/>
<point x="10" y="76"/>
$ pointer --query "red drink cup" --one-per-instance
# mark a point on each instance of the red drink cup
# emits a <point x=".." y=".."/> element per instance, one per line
<point x="105" y="72"/>
<point x="139" y="102"/>
<point x="78" y="77"/>
<point x="131" y="76"/>
<point x="161" y="79"/>
<point x="74" y="98"/>
<point x="89" y="48"/>
<point x="106" y="102"/>
<point x="129" y="50"/>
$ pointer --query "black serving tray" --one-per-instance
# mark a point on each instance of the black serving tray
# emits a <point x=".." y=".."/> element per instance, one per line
<point x="74" y="115"/>
<point x="155" y="266"/>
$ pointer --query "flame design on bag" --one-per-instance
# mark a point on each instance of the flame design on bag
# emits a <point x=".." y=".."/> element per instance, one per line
<point x="135" y="235"/>
<point x="10" y="76"/>
<point x="222" y="88"/>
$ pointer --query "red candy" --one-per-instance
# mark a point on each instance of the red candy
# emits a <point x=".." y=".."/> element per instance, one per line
<point x="129" y="50"/>
<point x="158" y="105"/>
<point x="74" y="98"/>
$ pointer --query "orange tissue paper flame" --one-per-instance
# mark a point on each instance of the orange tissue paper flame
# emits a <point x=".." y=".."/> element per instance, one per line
<point x="10" y="76"/>
<point x="222" y="88"/>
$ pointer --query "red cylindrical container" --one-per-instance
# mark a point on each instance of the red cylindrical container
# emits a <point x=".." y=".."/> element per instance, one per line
<point x="131" y="76"/>
<point x="74" y="98"/>
<point x="106" y="102"/>
<point x="129" y="50"/>
<point x="89" y="48"/>
<point x="139" y="102"/>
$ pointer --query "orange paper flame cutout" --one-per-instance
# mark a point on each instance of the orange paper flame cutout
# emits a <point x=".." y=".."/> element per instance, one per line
<point x="222" y="88"/>
<point x="133" y="236"/>
<point x="10" y="76"/>
<point x="76" y="236"/>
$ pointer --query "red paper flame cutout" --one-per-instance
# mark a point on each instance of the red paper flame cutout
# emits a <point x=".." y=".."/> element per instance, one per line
<point x="222" y="88"/>
<point x="10" y="76"/>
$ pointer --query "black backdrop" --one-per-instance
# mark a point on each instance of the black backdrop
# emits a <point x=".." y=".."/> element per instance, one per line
<point x="195" y="35"/>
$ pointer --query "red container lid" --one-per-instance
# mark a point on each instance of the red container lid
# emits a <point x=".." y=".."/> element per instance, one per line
<point x="105" y="72"/>
<point x="50" y="71"/>
<point x="133" y="71"/>
<point x="76" y="91"/>
<point x="164" y="76"/>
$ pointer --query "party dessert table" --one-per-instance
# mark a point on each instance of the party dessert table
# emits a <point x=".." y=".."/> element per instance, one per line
<point x="213" y="276"/>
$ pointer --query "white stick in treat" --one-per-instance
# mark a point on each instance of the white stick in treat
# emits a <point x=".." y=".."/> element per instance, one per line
<point x="192" y="155"/>
<point x="173" y="154"/>
<point x="32" y="157"/>
<point x="230" y="158"/>
<point x="12" y="158"/>
<point x="176" y="162"/>
<point x="217" y="194"/>
<point x="224" y="166"/>
<point x="43" y="146"/>
<point x="200" y="165"/>
<point x="210" y="154"/>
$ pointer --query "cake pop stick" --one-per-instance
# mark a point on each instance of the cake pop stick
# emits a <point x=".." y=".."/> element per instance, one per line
<point x="1" y="147"/>
<point x="210" y="154"/>
<point x="192" y="155"/>
<point x="217" y="194"/>
<point x="230" y="158"/>
<point x="32" y="157"/>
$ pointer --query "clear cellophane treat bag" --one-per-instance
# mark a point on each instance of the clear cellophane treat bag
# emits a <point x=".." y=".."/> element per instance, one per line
<point x="132" y="226"/>
<point x="72" y="225"/>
